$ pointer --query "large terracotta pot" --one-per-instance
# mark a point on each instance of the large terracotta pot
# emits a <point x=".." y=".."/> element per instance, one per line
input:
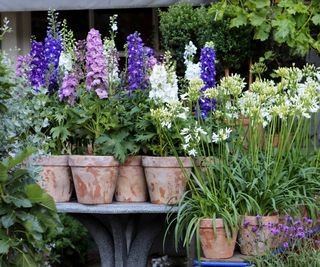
<point x="165" y="179"/>
<point x="216" y="246"/>
<point x="131" y="184"/>
<point x="255" y="237"/>
<point x="94" y="178"/>
<point x="56" y="177"/>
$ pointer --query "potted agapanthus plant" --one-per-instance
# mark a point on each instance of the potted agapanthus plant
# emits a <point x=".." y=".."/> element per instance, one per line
<point x="267" y="173"/>
<point x="208" y="210"/>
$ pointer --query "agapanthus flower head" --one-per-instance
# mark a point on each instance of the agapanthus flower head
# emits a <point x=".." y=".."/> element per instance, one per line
<point x="137" y="70"/>
<point x="208" y="66"/>
<point x="68" y="88"/>
<point x="37" y="65"/>
<point x="96" y="68"/>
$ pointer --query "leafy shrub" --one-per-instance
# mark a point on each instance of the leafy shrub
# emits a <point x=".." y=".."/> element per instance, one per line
<point x="69" y="247"/>
<point x="179" y="25"/>
<point x="28" y="215"/>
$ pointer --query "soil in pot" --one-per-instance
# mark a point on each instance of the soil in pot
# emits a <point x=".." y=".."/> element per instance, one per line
<point x="255" y="237"/>
<point x="94" y="178"/>
<point x="216" y="246"/>
<point x="131" y="184"/>
<point x="56" y="177"/>
<point x="165" y="179"/>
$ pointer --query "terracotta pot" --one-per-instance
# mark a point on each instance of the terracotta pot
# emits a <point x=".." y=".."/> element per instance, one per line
<point x="56" y="176"/>
<point x="255" y="240"/>
<point x="165" y="179"/>
<point x="216" y="246"/>
<point x="94" y="178"/>
<point x="131" y="184"/>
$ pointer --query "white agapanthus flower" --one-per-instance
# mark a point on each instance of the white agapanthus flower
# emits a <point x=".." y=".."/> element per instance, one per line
<point x="222" y="135"/>
<point x="164" y="84"/>
<point x="65" y="61"/>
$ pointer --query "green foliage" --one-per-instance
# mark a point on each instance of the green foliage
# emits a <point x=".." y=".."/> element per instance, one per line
<point x="179" y="25"/>
<point x="290" y="22"/>
<point x="28" y="215"/>
<point x="69" y="247"/>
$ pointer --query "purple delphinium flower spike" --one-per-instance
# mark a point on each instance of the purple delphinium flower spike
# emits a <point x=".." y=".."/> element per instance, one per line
<point x="96" y="66"/>
<point x="68" y="88"/>
<point x="208" y="67"/>
<point x="80" y="58"/>
<point x="23" y="65"/>
<point x="52" y="51"/>
<point x="37" y="65"/>
<point x="137" y="76"/>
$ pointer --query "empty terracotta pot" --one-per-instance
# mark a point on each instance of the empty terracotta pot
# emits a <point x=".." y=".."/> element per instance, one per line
<point x="216" y="246"/>
<point x="56" y="176"/>
<point x="131" y="184"/>
<point x="255" y="237"/>
<point x="94" y="178"/>
<point x="165" y="179"/>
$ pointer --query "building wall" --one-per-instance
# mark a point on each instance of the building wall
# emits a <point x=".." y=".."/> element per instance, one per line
<point x="18" y="41"/>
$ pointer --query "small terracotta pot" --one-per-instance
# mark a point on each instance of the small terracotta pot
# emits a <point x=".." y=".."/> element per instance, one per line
<point x="56" y="176"/>
<point x="94" y="178"/>
<point x="255" y="240"/>
<point x="165" y="179"/>
<point x="216" y="246"/>
<point x="131" y="184"/>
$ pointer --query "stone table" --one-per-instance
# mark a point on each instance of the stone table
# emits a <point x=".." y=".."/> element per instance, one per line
<point x="123" y="232"/>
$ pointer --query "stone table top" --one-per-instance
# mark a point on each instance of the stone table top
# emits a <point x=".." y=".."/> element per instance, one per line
<point x="115" y="208"/>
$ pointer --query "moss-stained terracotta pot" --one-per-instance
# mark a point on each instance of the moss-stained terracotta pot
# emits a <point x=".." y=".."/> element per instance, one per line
<point x="131" y="184"/>
<point x="165" y="179"/>
<point x="94" y="178"/>
<point x="255" y="237"/>
<point x="56" y="176"/>
<point x="216" y="246"/>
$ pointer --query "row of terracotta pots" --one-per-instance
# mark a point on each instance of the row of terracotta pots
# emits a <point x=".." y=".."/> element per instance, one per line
<point x="253" y="238"/>
<point x="98" y="178"/>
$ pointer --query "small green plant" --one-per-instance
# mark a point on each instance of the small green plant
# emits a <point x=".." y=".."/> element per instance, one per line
<point x="69" y="247"/>
<point x="28" y="215"/>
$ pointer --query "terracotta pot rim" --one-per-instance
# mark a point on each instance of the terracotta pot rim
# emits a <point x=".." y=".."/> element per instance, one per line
<point x="132" y="161"/>
<point x="207" y="223"/>
<point x="165" y="162"/>
<point x="54" y="160"/>
<point x="92" y="161"/>
<point x="252" y="220"/>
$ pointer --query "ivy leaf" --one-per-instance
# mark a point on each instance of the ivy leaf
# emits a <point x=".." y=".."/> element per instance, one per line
<point x="262" y="32"/>
<point x="262" y="3"/>
<point x="4" y="246"/>
<point x="238" y="21"/>
<point x="18" y="202"/>
<point x="25" y="260"/>
<point x="8" y="220"/>
<point x="3" y="172"/>
<point x="284" y="28"/>
<point x="256" y="19"/>
<point x="316" y="19"/>
<point x="36" y="195"/>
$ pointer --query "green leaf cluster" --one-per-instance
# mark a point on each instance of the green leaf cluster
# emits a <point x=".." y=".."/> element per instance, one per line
<point x="28" y="214"/>
<point x="291" y="22"/>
